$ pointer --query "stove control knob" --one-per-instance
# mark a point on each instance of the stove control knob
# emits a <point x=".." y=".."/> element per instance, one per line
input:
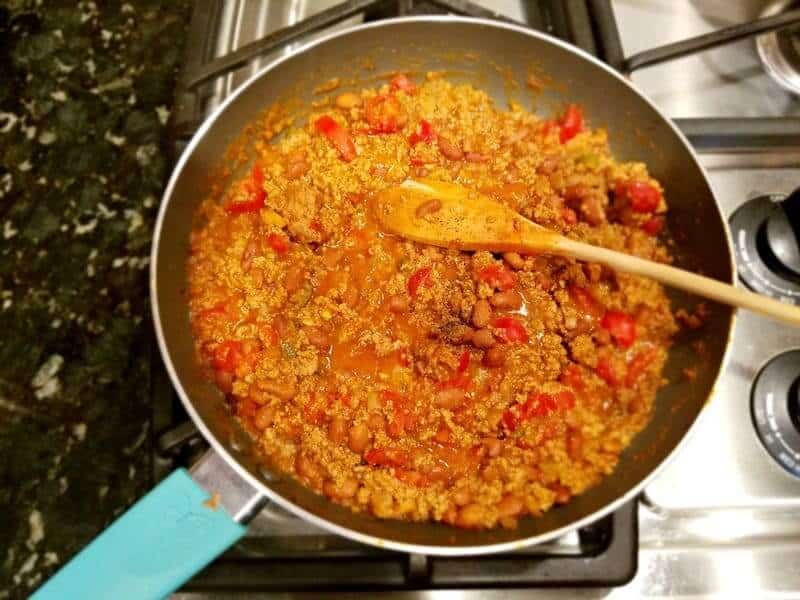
<point x="782" y="235"/>
<point x="794" y="404"/>
<point x="775" y="405"/>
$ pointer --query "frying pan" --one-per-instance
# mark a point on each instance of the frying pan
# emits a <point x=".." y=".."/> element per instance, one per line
<point x="190" y="518"/>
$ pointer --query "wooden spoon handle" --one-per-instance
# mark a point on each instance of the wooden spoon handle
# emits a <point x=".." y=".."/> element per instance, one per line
<point x="674" y="277"/>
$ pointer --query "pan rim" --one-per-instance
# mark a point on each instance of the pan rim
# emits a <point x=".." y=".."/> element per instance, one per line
<point x="321" y="522"/>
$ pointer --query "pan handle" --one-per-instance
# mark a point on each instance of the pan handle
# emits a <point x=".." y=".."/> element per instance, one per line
<point x="179" y="527"/>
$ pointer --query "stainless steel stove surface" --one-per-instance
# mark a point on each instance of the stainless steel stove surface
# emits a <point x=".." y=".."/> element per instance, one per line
<point x="723" y="518"/>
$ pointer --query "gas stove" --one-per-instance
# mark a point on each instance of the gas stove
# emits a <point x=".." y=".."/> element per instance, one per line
<point x="724" y="516"/>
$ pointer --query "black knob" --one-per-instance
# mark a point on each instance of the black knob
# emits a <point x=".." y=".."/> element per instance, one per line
<point x="782" y="233"/>
<point x="794" y="404"/>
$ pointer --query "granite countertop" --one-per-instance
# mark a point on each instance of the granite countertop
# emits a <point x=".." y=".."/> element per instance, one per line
<point x="84" y="105"/>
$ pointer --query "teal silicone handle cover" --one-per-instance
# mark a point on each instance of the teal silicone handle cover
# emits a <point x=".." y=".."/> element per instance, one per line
<point x="151" y="550"/>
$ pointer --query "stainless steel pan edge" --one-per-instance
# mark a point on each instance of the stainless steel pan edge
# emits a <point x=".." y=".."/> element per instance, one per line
<point x="406" y="537"/>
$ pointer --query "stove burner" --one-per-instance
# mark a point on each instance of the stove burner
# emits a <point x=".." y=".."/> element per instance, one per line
<point x="780" y="50"/>
<point x="776" y="409"/>
<point x="766" y="245"/>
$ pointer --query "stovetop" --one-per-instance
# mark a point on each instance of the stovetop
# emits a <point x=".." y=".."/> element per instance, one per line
<point x="724" y="516"/>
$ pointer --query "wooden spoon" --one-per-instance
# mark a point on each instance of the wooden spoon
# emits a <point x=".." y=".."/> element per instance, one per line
<point x="452" y="216"/>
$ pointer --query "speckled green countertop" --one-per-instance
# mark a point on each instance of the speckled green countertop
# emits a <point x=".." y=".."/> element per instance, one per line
<point x="85" y="96"/>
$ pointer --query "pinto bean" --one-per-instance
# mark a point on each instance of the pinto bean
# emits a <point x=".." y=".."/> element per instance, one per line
<point x="563" y="493"/>
<point x="495" y="356"/>
<point x="483" y="338"/>
<point x="457" y="333"/>
<point x="575" y="445"/>
<point x="318" y="337"/>
<point x="481" y="313"/>
<point x="510" y="506"/>
<point x="250" y="252"/>
<point x="346" y="488"/>
<point x="264" y="417"/>
<point x="449" y="398"/>
<point x="428" y="208"/>
<point x="352" y="295"/>
<point x="493" y="446"/>
<point x="337" y="430"/>
<point x="294" y="279"/>
<point x="448" y="148"/>
<point x="224" y="381"/>
<point x="381" y="504"/>
<point x="508" y="300"/>
<point x="359" y="438"/>
<point x="295" y="169"/>
<point x="376" y="422"/>
<point x="398" y="303"/>
<point x="462" y="497"/>
<point x="282" y="390"/>
<point x="471" y="516"/>
<point x="475" y="157"/>
<point x="514" y="260"/>
<point x="281" y="325"/>
<point x="307" y="467"/>
<point x="548" y="166"/>
<point x="348" y="100"/>
<point x="493" y="417"/>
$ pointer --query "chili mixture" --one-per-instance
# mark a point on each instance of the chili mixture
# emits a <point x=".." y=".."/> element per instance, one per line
<point x="422" y="383"/>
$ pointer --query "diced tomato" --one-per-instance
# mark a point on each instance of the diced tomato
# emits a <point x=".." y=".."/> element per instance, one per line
<point x="419" y="277"/>
<point x="459" y="381"/>
<point x="338" y="136"/>
<point x="641" y="196"/>
<point x="584" y="300"/>
<point x="338" y="398"/>
<point x="621" y="326"/>
<point x="638" y="364"/>
<point x="218" y="310"/>
<point x="570" y="216"/>
<point x="278" y="243"/>
<point x="653" y="226"/>
<point x="401" y="420"/>
<point x="227" y="356"/>
<point x="401" y="83"/>
<point x="463" y="361"/>
<point x="384" y="115"/>
<point x="424" y="133"/>
<point x="547" y="127"/>
<point x="386" y="457"/>
<point x="539" y="405"/>
<point x="510" y="330"/>
<point x="606" y="372"/>
<point x="268" y="332"/>
<point x="565" y="400"/>
<point x="257" y="175"/>
<point x="571" y="376"/>
<point x="252" y="196"/>
<point x="313" y="414"/>
<point x="571" y="123"/>
<point x="498" y="277"/>
<point x="512" y="417"/>
<point x="390" y="396"/>
<point x="246" y="408"/>
<point x="403" y="358"/>
<point x="414" y="478"/>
